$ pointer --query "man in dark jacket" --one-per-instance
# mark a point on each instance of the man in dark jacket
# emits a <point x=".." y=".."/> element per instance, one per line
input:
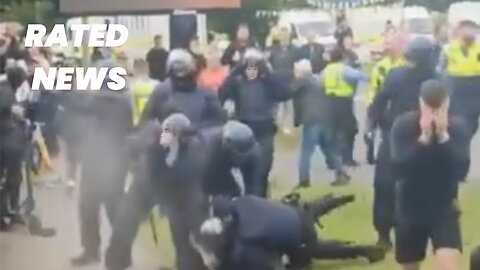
<point x="234" y="159"/>
<point x="202" y="164"/>
<point x="429" y="151"/>
<point x="399" y="94"/>
<point x="255" y="91"/>
<point x="314" y="52"/>
<point x="283" y="54"/>
<point x="180" y="93"/>
<point x="310" y="113"/>
<point x="157" y="60"/>
<point x="12" y="146"/>
<point x="235" y="51"/>
<point x="255" y="233"/>
<point x="103" y="161"/>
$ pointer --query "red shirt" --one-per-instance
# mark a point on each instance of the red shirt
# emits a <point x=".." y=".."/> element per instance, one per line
<point x="212" y="78"/>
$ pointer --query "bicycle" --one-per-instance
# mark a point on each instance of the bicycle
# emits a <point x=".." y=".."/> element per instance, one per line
<point x="36" y="154"/>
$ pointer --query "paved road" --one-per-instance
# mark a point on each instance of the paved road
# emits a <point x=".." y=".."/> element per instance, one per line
<point x="58" y="208"/>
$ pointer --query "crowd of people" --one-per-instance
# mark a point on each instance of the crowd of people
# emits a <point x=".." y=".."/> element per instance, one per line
<point x="197" y="131"/>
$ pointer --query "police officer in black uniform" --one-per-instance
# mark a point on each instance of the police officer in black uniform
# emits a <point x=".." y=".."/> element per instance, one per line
<point x="180" y="93"/>
<point x="178" y="175"/>
<point x="400" y="94"/>
<point x="103" y="159"/>
<point x="253" y="233"/>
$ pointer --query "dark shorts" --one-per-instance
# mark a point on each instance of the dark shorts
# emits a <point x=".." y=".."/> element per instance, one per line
<point x="412" y="239"/>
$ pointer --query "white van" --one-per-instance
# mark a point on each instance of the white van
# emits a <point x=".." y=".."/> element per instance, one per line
<point x="464" y="11"/>
<point x="417" y="21"/>
<point x="304" y="21"/>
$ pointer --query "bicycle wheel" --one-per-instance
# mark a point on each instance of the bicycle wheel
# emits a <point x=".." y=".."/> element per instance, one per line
<point x="35" y="158"/>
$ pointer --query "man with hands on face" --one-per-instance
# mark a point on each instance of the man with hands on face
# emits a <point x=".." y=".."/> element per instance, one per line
<point x="429" y="151"/>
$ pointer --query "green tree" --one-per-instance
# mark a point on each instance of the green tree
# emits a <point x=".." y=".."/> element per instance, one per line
<point x="33" y="11"/>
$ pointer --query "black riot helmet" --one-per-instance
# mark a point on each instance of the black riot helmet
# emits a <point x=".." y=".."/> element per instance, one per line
<point x="177" y="124"/>
<point x="421" y="53"/>
<point x="180" y="64"/>
<point x="238" y="140"/>
<point x="16" y="72"/>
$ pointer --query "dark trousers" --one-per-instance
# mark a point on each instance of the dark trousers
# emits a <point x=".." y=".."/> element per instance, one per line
<point x="99" y="186"/>
<point x="336" y="137"/>
<point x="384" y="190"/>
<point x="264" y="134"/>
<point x="350" y="134"/>
<point x="475" y="259"/>
<point x="12" y="148"/>
<point x="331" y="249"/>
<point x="314" y="134"/>
<point x="472" y="121"/>
<point x="134" y="208"/>
<point x="249" y="256"/>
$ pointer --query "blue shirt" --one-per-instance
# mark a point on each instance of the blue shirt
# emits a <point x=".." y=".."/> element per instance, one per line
<point x="351" y="75"/>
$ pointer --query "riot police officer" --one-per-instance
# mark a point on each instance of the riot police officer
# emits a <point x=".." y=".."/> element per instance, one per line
<point x="103" y="171"/>
<point x="399" y="94"/>
<point x="180" y="93"/>
<point x="178" y="169"/>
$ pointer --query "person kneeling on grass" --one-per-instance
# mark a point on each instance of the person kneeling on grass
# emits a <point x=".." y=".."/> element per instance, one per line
<point x="430" y="151"/>
<point x="256" y="234"/>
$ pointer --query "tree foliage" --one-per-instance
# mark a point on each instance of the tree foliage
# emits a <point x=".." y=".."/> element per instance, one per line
<point x="33" y="11"/>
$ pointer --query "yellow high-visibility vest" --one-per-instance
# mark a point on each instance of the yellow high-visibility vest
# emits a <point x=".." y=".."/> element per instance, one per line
<point x="141" y="92"/>
<point x="460" y="64"/>
<point x="333" y="81"/>
<point x="379" y="73"/>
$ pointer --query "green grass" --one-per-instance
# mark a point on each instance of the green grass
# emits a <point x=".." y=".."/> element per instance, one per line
<point x="354" y="223"/>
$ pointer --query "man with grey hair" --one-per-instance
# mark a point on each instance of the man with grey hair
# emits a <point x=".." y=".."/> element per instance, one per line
<point x="311" y="115"/>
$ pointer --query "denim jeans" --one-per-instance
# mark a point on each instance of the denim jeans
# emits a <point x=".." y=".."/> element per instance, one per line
<point x="312" y="135"/>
